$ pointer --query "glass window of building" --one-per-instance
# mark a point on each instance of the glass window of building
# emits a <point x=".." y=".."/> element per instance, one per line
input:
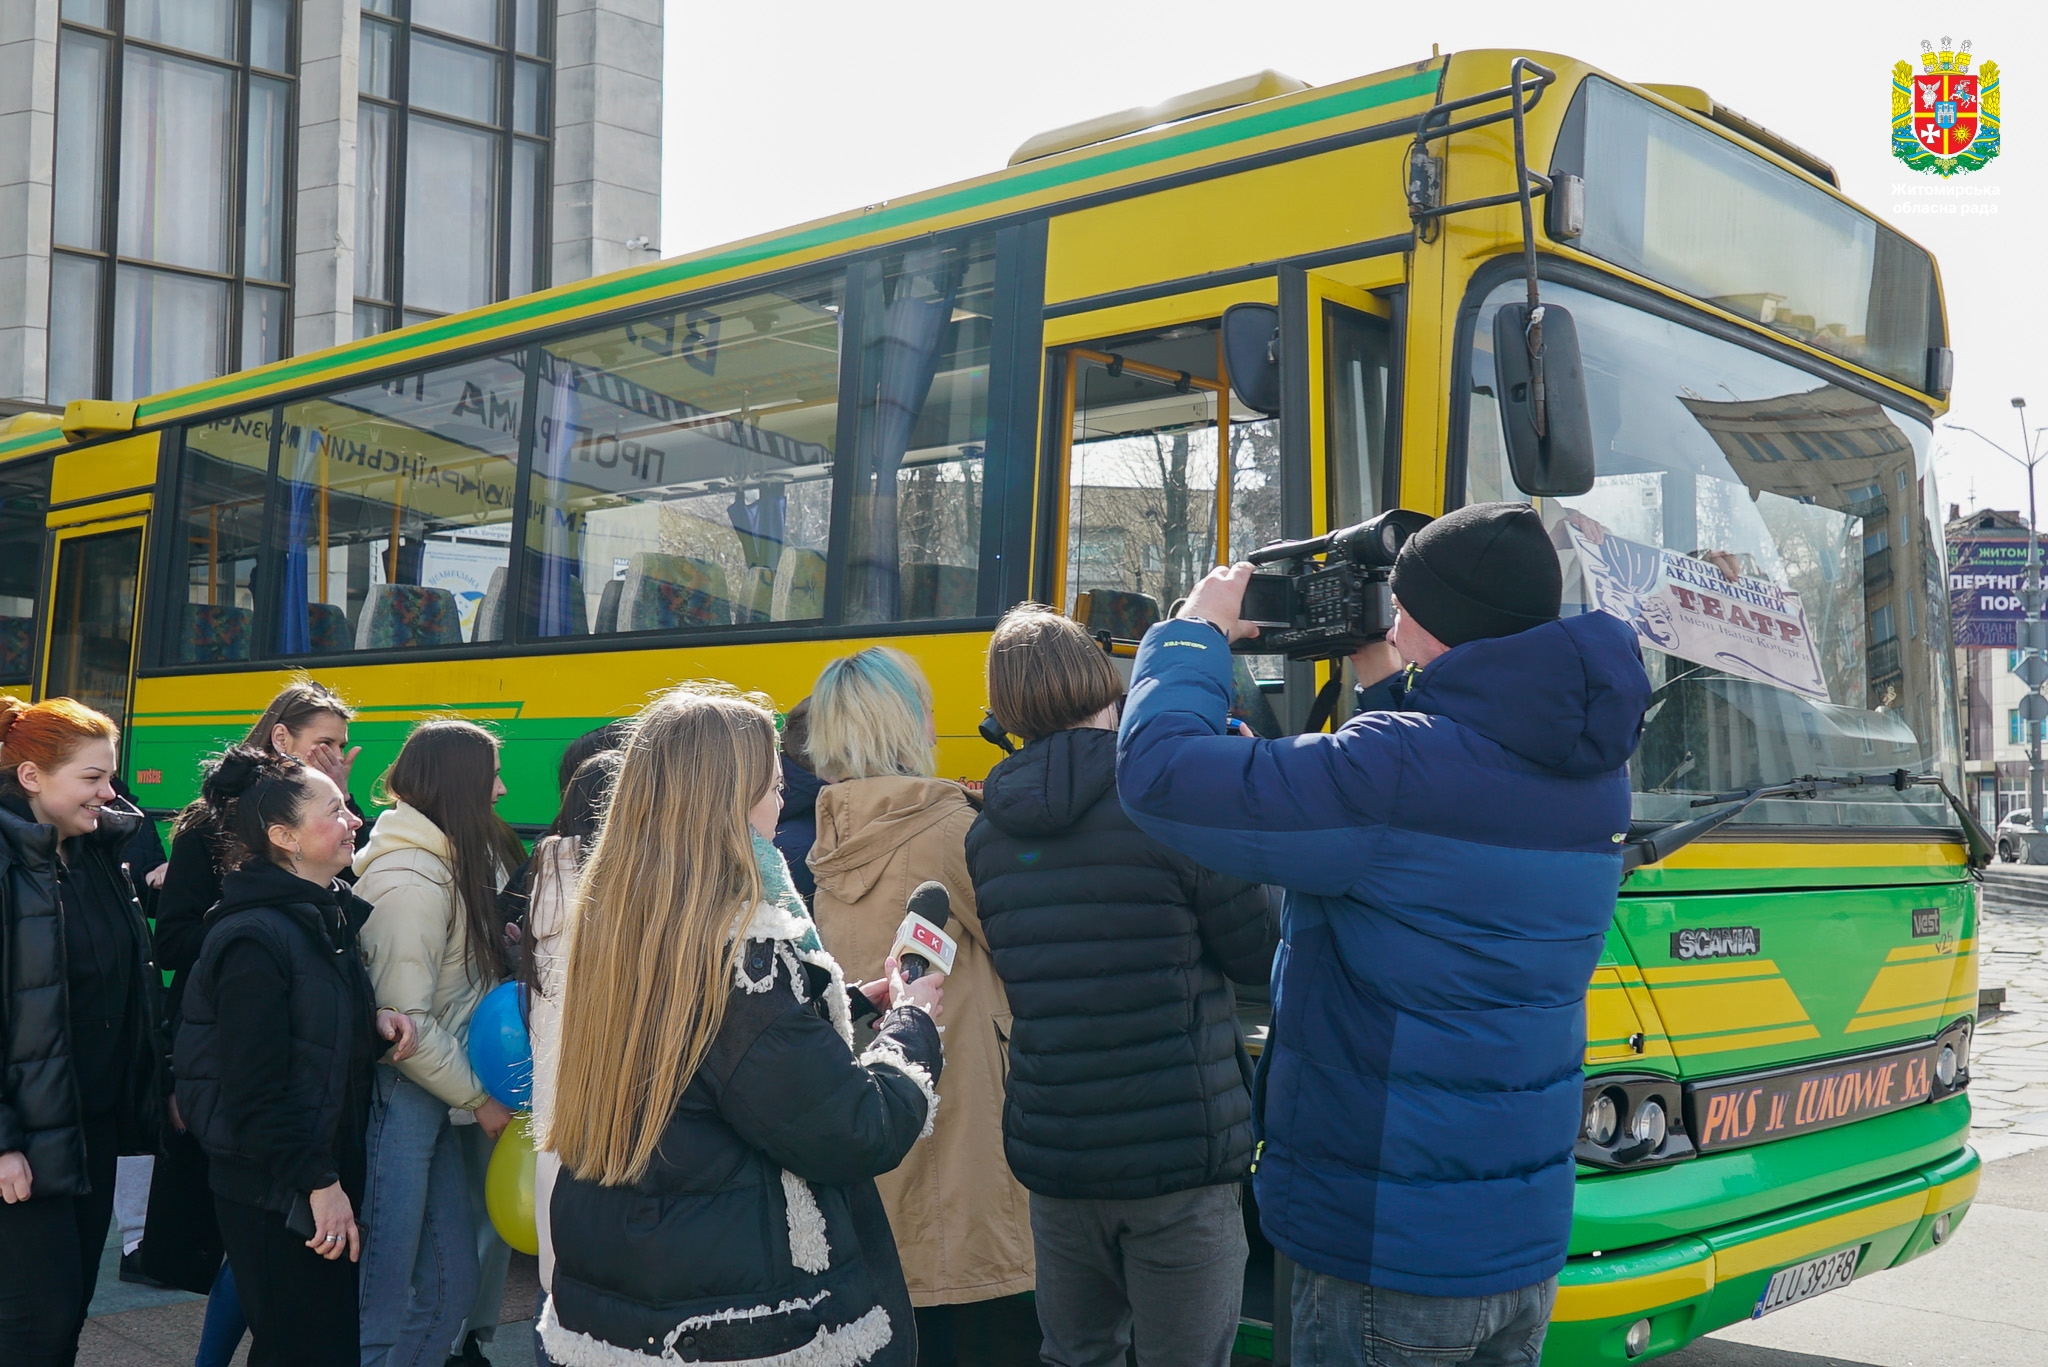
<point x="172" y="204"/>
<point x="451" y="157"/>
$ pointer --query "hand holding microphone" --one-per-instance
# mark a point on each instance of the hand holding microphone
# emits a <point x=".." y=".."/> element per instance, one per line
<point x="922" y="944"/>
<point x="923" y="954"/>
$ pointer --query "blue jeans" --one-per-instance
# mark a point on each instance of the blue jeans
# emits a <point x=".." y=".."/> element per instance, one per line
<point x="1343" y="1324"/>
<point x="221" y="1332"/>
<point x="419" y="1270"/>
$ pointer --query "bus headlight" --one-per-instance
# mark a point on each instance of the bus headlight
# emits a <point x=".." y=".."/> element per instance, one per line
<point x="1952" y="1059"/>
<point x="1632" y="1120"/>
<point x="1603" y="1120"/>
<point x="1649" y="1126"/>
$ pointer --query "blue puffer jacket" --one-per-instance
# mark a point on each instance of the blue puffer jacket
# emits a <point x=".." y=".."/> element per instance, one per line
<point x="1451" y="865"/>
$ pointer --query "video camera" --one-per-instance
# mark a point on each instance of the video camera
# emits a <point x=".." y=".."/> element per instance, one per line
<point x="1327" y="608"/>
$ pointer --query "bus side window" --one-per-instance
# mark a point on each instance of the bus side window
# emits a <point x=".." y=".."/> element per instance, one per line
<point x="682" y="468"/>
<point x="918" y="474"/>
<point x="393" y="528"/>
<point x="24" y="496"/>
<point x="222" y="481"/>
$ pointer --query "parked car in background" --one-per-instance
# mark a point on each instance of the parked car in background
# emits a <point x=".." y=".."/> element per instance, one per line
<point x="2017" y="837"/>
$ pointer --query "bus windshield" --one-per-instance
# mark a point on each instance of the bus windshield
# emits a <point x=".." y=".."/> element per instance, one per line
<point x="1775" y="541"/>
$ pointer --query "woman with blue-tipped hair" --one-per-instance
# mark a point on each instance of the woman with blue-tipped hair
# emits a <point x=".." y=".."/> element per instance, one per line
<point x="885" y="825"/>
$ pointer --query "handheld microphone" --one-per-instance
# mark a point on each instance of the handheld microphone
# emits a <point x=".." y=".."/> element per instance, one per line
<point x="922" y="944"/>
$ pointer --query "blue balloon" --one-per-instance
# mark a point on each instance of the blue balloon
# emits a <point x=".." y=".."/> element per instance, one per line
<point x="499" y="1049"/>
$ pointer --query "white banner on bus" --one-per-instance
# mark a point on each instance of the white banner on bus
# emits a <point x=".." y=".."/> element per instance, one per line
<point x="1690" y="608"/>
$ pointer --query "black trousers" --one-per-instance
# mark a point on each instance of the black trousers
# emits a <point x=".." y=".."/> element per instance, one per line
<point x="301" y="1307"/>
<point x="50" y="1260"/>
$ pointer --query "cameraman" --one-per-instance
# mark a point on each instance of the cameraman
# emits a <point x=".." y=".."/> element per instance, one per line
<point x="1451" y="859"/>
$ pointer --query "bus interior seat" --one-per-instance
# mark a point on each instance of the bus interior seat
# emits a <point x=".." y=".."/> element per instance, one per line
<point x="665" y="591"/>
<point x="938" y="592"/>
<point x="327" y="628"/>
<point x="1123" y="614"/>
<point x="799" y="589"/>
<point x="409" y="616"/>
<point x="216" y="632"/>
<point x="608" y="606"/>
<point x="490" y="613"/>
<point x="17" y="643"/>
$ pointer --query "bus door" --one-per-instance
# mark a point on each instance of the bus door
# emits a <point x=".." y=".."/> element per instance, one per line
<point x="1350" y="426"/>
<point x="95" y="588"/>
<point x="1163" y="474"/>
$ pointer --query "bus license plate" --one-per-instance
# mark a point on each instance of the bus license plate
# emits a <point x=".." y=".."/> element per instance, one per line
<point x="1811" y="1278"/>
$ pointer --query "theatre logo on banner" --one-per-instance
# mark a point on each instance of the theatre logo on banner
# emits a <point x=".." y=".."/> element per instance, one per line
<point x="1984" y="582"/>
<point x="1698" y="611"/>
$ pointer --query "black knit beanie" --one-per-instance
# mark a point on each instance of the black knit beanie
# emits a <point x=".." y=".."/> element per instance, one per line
<point x="1485" y="570"/>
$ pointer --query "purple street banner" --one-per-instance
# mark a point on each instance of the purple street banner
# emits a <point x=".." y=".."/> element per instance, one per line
<point x="1691" y="608"/>
<point x="1984" y="582"/>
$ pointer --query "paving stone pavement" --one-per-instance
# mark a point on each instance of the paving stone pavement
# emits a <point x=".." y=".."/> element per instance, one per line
<point x="2009" y="1056"/>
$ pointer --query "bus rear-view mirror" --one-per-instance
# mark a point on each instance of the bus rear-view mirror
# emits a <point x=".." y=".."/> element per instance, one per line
<point x="1251" y="352"/>
<point x="1555" y="459"/>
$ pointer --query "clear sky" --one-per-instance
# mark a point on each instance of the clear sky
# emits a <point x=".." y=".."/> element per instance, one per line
<point x="778" y="111"/>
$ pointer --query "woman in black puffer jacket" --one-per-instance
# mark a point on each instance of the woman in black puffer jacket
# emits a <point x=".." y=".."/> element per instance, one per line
<point x="719" y="1137"/>
<point x="80" y="1069"/>
<point x="1129" y="1111"/>
<point x="275" y="1054"/>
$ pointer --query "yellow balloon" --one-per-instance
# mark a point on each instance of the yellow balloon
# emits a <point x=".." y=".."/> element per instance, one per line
<point x="508" y="1187"/>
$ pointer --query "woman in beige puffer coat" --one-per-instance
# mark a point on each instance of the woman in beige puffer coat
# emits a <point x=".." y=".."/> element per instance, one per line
<point x="433" y="947"/>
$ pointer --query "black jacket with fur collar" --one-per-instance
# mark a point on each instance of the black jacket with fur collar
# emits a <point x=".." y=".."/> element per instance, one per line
<point x="756" y="1236"/>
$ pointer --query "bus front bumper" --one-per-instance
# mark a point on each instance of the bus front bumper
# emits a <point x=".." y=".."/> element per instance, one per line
<point x="1692" y="1286"/>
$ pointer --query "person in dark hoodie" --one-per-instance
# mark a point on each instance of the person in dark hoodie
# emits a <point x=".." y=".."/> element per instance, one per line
<point x="797" y="831"/>
<point x="80" y="1069"/>
<point x="1128" y="1111"/>
<point x="306" y="721"/>
<point x="1451" y="857"/>
<point x="275" y="1053"/>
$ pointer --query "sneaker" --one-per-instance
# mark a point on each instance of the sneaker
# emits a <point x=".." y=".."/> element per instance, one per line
<point x="131" y="1270"/>
<point x="472" y="1354"/>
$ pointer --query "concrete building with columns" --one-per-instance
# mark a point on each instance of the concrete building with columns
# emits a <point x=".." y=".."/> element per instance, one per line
<point x="191" y="187"/>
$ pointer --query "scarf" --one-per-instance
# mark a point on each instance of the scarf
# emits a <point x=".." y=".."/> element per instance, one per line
<point x="779" y="890"/>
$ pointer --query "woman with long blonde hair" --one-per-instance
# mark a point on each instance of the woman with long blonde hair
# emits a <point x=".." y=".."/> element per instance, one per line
<point x="885" y="825"/>
<point x="719" y="1137"/>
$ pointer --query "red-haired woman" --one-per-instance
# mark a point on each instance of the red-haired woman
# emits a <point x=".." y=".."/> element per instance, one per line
<point x="82" y="1083"/>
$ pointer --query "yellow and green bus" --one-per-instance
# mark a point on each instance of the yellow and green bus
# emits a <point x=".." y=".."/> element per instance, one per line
<point x="888" y="426"/>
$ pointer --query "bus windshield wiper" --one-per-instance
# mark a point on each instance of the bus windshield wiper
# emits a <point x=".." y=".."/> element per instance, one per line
<point x="1661" y="844"/>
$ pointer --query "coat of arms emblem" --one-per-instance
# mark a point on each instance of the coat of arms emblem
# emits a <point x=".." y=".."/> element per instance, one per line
<point x="1945" y="116"/>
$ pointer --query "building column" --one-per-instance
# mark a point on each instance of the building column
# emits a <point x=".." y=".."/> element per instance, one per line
<point x="324" y="264"/>
<point x="28" y="135"/>
<point x="607" y="154"/>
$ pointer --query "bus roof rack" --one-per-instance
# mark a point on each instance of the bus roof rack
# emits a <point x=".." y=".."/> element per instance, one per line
<point x="1260" y="85"/>
<point x="1700" y="102"/>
